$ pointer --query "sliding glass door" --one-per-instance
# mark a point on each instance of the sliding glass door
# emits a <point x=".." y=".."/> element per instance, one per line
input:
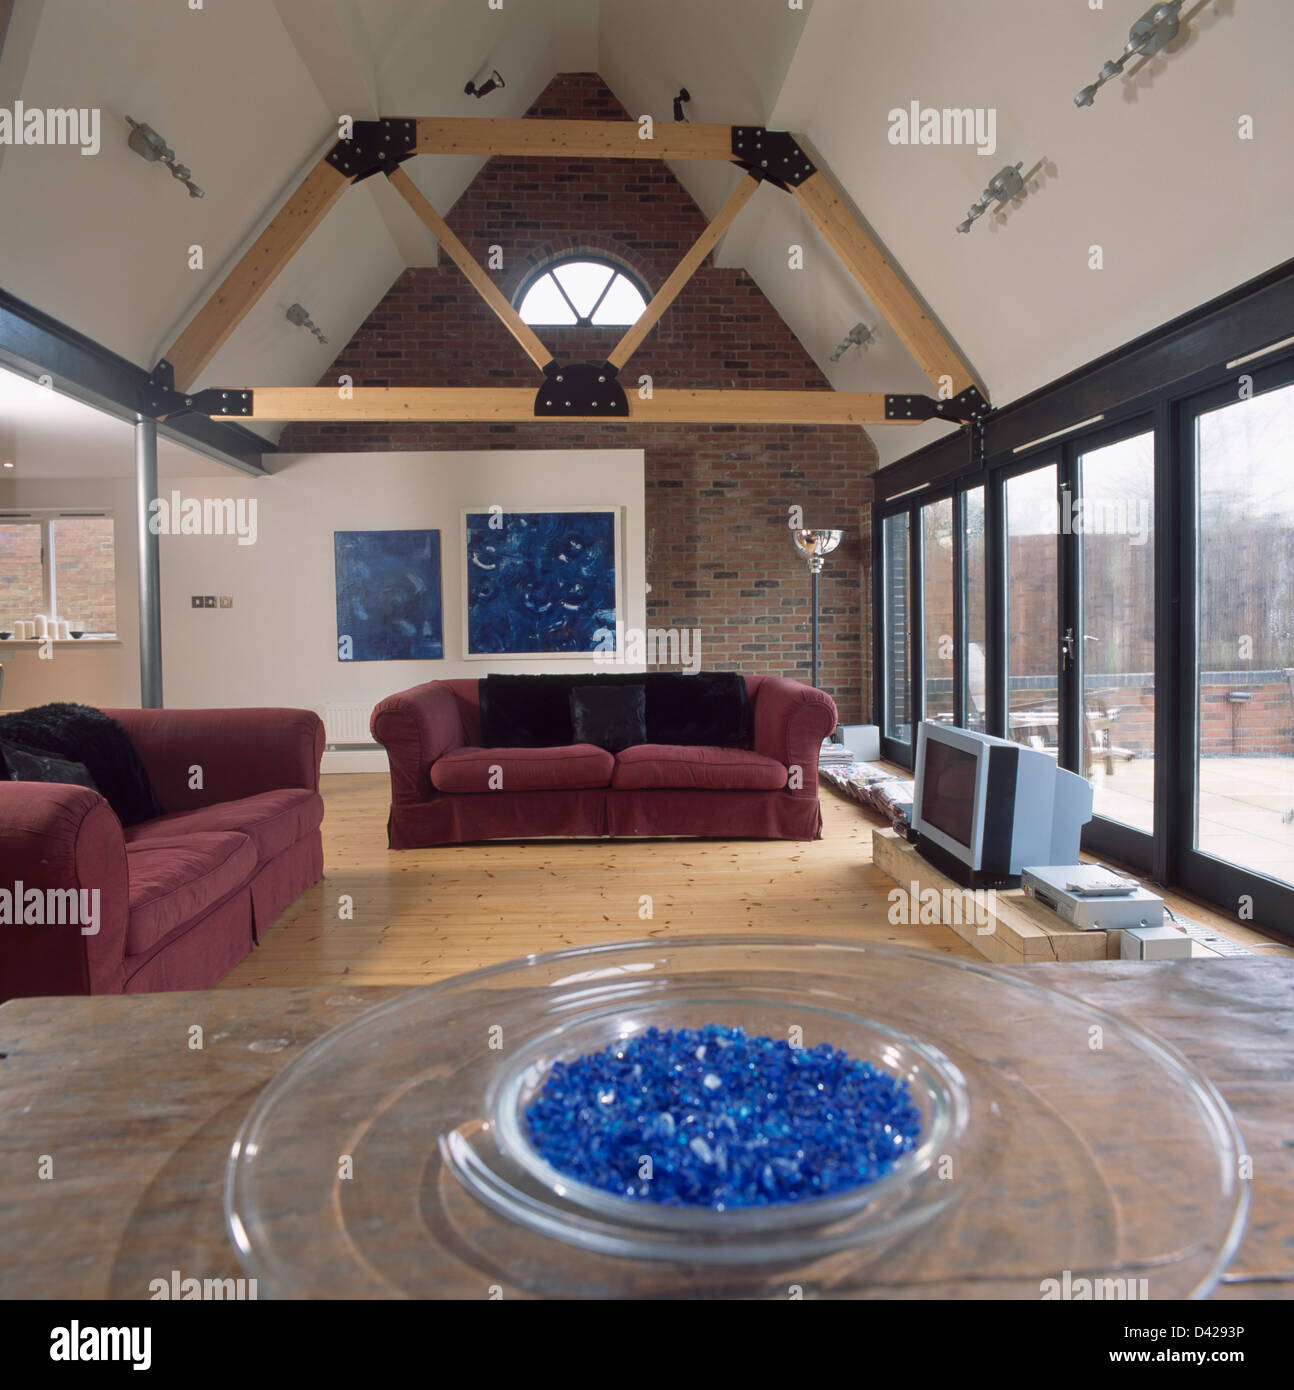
<point x="1108" y="518"/>
<point x="938" y="642"/>
<point x="896" y="633"/>
<point x="1241" y="688"/>
<point x="973" y="570"/>
<point x="1032" y="608"/>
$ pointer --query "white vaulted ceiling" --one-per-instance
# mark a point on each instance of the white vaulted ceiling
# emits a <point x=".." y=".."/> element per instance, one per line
<point x="248" y="93"/>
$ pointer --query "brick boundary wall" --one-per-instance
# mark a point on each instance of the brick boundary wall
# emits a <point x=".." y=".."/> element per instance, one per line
<point x="717" y="497"/>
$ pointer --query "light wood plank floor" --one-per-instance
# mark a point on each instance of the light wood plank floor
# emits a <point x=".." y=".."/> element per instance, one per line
<point x="423" y="915"/>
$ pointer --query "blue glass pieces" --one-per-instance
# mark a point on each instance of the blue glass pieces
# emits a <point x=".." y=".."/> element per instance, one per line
<point x="712" y="1117"/>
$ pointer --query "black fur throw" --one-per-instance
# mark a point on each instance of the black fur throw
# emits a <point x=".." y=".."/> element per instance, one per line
<point x="89" y="736"/>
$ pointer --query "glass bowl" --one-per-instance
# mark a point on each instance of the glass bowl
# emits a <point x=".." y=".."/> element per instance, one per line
<point x="390" y="1158"/>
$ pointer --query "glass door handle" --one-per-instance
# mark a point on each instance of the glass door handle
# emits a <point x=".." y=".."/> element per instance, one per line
<point x="1067" y="646"/>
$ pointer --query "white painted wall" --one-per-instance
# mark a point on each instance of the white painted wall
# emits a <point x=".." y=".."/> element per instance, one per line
<point x="278" y="644"/>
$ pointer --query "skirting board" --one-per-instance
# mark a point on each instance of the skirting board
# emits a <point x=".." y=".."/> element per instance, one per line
<point x="1007" y="927"/>
<point x="354" y="760"/>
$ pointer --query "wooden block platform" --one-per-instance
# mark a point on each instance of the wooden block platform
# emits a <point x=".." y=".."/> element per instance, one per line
<point x="1004" y="925"/>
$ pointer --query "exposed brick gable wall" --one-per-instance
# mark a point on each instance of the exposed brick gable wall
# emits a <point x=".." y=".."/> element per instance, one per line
<point x="717" y="497"/>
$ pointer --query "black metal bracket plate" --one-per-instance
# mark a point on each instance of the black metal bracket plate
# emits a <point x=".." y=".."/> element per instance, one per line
<point x="583" y="388"/>
<point x="772" y="155"/>
<point x="375" y="147"/>
<point x="160" y="400"/>
<point x="970" y="406"/>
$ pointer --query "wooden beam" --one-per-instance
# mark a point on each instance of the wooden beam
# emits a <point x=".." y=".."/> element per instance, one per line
<point x="465" y="261"/>
<point x="883" y="285"/>
<point x="762" y="407"/>
<point x="517" y="404"/>
<point x="572" y="139"/>
<point x="253" y="275"/>
<point x="683" y="272"/>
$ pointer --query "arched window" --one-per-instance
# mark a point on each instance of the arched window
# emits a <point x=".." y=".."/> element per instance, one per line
<point x="581" y="291"/>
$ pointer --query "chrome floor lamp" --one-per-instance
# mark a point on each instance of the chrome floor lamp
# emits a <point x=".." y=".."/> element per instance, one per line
<point x="815" y="546"/>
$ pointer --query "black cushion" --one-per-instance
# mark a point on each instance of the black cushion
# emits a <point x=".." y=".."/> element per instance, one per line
<point x="84" y="735"/>
<point x="611" y="716"/>
<point x="527" y="711"/>
<point x="709" y="708"/>
<point x="31" y="765"/>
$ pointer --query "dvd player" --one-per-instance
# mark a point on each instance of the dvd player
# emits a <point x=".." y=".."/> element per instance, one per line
<point x="1092" y="898"/>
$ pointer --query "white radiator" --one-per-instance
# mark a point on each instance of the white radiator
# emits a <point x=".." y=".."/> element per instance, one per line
<point x="347" y="726"/>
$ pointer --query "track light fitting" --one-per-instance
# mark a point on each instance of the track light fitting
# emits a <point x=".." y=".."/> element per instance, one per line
<point x="299" y="315"/>
<point x="491" y="84"/>
<point x="857" y="336"/>
<point x="149" y="145"/>
<point x="1002" y="187"/>
<point x="1157" y="27"/>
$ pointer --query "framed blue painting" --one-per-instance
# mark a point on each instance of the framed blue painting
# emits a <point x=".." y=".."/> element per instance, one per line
<point x="388" y="595"/>
<point x="540" y="582"/>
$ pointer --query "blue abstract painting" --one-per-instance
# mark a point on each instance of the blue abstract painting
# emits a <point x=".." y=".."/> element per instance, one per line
<point x="388" y="595"/>
<point x="540" y="583"/>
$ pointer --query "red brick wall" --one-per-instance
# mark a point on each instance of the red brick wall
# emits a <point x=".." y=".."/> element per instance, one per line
<point x="717" y="497"/>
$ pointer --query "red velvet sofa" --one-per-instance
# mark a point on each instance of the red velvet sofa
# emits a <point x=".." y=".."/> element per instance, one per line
<point x="441" y="778"/>
<point x="182" y="897"/>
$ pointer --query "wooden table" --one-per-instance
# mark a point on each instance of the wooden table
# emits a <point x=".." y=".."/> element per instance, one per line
<point x="135" y="1124"/>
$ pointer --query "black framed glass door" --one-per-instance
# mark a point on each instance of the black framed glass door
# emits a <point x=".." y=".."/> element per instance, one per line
<point x="1108" y="536"/>
<point x="1235" y="807"/>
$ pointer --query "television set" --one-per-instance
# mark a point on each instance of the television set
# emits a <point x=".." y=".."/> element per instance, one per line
<point x="983" y="808"/>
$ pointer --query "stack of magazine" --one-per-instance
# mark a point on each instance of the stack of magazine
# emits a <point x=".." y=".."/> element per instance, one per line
<point x="872" y="786"/>
<point x="834" y="755"/>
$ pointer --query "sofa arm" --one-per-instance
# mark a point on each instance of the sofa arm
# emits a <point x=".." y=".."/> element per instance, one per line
<point x="416" y="727"/>
<point x="65" y="843"/>
<point x="240" y="751"/>
<point x="791" y="720"/>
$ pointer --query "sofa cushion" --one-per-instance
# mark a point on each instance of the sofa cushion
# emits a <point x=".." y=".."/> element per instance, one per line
<point x="174" y="881"/>
<point x="573" y="765"/>
<point x="274" y="821"/>
<point x="609" y="716"/>
<point x="21" y="764"/>
<point x="692" y="765"/>
<point x="84" y="735"/>
<point x="710" y="708"/>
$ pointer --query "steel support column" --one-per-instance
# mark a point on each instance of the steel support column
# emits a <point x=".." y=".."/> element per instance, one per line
<point x="150" y="603"/>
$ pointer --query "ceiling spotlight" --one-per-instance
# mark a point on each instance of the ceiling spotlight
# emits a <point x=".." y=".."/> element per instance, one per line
<point x="1156" y="28"/>
<point x="1002" y="187"/>
<point x="300" y="315"/>
<point x="683" y="97"/>
<point x="149" y="145"/>
<point x="491" y="83"/>
<point x="857" y="336"/>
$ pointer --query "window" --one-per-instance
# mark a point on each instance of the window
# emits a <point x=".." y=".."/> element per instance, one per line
<point x="1244" y="624"/>
<point x="1032" y="608"/>
<point x="58" y="566"/>
<point x="582" y="292"/>
<point x="1115" y="636"/>
<point x="937" y="608"/>
<point x="894" y="627"/>
<point x="975" y="607"/>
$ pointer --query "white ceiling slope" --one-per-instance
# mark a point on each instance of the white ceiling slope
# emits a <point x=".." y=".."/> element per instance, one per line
<point x="248" y="91"/>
